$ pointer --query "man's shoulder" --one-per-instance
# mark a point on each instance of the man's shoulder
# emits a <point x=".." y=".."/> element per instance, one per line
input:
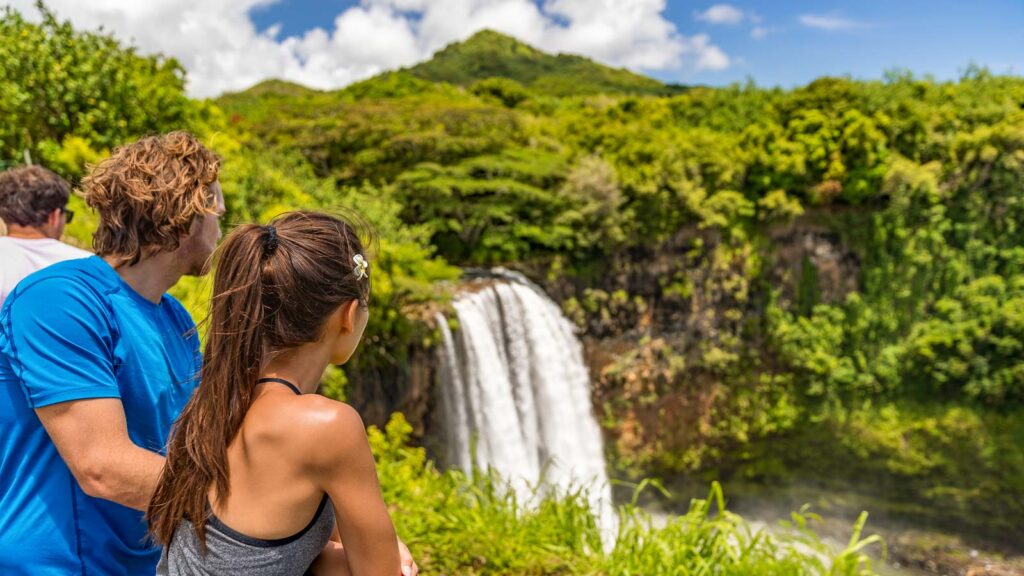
<point x="53" y="284"/>
<point x="59" y="300"/>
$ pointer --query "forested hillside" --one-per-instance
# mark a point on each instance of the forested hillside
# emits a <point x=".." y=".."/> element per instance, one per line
<point x="823" y="284"/>
<point x="827" y="276"/>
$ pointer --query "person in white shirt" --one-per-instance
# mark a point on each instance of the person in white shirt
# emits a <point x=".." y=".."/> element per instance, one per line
<point x="33" y="205"/>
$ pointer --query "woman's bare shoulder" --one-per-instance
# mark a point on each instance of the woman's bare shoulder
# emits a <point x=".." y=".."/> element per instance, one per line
<point x="321" y="430"/>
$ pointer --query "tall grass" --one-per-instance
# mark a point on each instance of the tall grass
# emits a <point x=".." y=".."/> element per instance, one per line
<point x="474" y="524"/>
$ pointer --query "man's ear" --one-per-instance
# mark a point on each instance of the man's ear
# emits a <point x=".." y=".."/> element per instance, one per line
<point x="54" y="218"/>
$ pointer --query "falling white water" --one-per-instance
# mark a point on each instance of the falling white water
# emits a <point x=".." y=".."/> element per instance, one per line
<point x="515" y="389"/>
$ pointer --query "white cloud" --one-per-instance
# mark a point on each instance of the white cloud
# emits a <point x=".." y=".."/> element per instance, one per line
<point x="829" y="22"/>
<point x="721" y="14"/>
<point x="220" y="47"/>
<point x="709" y="56"/>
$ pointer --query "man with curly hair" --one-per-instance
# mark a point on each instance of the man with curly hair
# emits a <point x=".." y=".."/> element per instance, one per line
<point x="96" y="362"/>
<point x="33" y="205"/>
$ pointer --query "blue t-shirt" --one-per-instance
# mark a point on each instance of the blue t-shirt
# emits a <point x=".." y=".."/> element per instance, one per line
<point x="73" y="331"/>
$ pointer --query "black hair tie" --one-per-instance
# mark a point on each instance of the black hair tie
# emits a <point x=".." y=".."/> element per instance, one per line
<point x="270" y="242"/>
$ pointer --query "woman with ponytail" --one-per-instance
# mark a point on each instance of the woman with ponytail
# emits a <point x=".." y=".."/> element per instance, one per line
<point x="262" y="475"/>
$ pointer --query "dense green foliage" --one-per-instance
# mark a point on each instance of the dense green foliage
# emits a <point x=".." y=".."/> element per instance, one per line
<point x="800" y="258"/>
<point x="63" y="91"/>
<point x="805" y="282"/>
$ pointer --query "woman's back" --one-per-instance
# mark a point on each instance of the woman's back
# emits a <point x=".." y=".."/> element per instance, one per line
<point x="274" y="519"/>
<point x="272" y="494"/>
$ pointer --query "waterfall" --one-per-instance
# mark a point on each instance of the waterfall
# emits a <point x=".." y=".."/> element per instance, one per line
<point x="515" y="388"/>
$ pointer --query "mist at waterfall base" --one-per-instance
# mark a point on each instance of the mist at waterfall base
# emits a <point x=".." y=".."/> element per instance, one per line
<point x="515" y="395"/>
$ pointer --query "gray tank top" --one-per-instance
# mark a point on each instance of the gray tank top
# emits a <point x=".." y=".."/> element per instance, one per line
<point x="231" y="552"/>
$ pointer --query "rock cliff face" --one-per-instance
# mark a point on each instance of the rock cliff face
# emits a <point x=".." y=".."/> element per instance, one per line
<point x="662" y="333"/>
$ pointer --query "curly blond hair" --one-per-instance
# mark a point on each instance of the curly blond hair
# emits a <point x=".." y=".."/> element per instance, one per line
<point x="148" y="193"/>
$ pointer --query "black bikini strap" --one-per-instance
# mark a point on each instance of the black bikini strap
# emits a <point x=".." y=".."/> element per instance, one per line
<point x="280" y="381"/>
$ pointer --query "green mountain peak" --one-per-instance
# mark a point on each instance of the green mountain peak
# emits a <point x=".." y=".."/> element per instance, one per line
<point x="491" y="54"/>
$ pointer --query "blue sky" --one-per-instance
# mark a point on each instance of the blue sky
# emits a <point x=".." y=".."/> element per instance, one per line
<point x="229" y="45"/>
<point x="861" y="39"/>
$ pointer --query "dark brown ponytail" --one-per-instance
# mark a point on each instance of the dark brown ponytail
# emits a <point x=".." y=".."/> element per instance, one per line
<point x="273" y="289"/>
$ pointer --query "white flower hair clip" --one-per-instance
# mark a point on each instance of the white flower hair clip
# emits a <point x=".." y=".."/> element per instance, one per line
<point x="361" y="266"/>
